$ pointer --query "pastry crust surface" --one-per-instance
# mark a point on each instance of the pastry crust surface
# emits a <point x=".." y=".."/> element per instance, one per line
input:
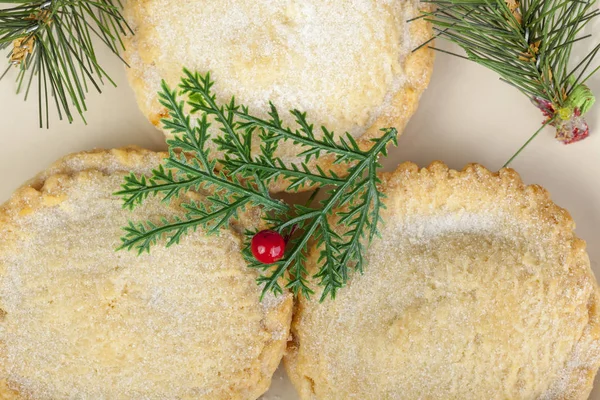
<point x="349" y="64"/>
<point x="79" y="320"/>
<point x="477" y="289"/>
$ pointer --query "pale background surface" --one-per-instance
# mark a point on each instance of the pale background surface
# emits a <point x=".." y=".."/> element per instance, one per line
<point x="466" y="115"/>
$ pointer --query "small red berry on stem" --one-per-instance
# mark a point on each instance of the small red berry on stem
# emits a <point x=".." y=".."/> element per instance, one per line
<point x="268" y="246"/>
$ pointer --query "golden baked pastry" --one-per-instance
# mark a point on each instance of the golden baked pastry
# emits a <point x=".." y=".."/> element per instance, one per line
<point x="79" y="320"/>
<point x="478" y="289"/>
<point x="348" y="64"/>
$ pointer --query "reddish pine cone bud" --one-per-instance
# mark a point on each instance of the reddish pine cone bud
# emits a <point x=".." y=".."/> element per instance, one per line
<point x="569" y="123"/>
<point x="268" y="246"/>
<point x="568" y="118"/>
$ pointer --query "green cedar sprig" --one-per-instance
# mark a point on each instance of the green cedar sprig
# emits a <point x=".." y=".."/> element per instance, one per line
<point x="342" y="223"/>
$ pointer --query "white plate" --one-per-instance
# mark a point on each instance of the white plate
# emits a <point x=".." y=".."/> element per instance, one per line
<point x="466" y="115"/>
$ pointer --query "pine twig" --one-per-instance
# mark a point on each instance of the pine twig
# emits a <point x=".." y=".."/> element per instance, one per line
<point x="51" y="44"/>
<point x="528" y="43"/>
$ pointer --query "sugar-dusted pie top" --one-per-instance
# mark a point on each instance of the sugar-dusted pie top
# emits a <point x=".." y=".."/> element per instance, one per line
<point x="477" y="289"/>
<point x="80" y="320"/>
<point x="348" y="64"/>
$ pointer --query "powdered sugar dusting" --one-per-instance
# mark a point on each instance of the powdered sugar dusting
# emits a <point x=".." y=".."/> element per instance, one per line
<point x="453" y="305"/>
<point x="421" y="229"/>
<point x="340" y="62"/>
<point x="84" y="321"/>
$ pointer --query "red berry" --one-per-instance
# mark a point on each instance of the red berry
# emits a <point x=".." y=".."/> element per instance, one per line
<point x="268" y="246"/>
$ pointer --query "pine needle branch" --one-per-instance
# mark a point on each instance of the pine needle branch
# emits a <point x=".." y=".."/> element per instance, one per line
<point x="528" y="43"/>
<point x="53" y="41"/>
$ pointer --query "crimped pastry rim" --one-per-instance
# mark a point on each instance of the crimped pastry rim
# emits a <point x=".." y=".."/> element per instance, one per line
<point x="580" y="382"/>
<point x="33" y="195"/>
